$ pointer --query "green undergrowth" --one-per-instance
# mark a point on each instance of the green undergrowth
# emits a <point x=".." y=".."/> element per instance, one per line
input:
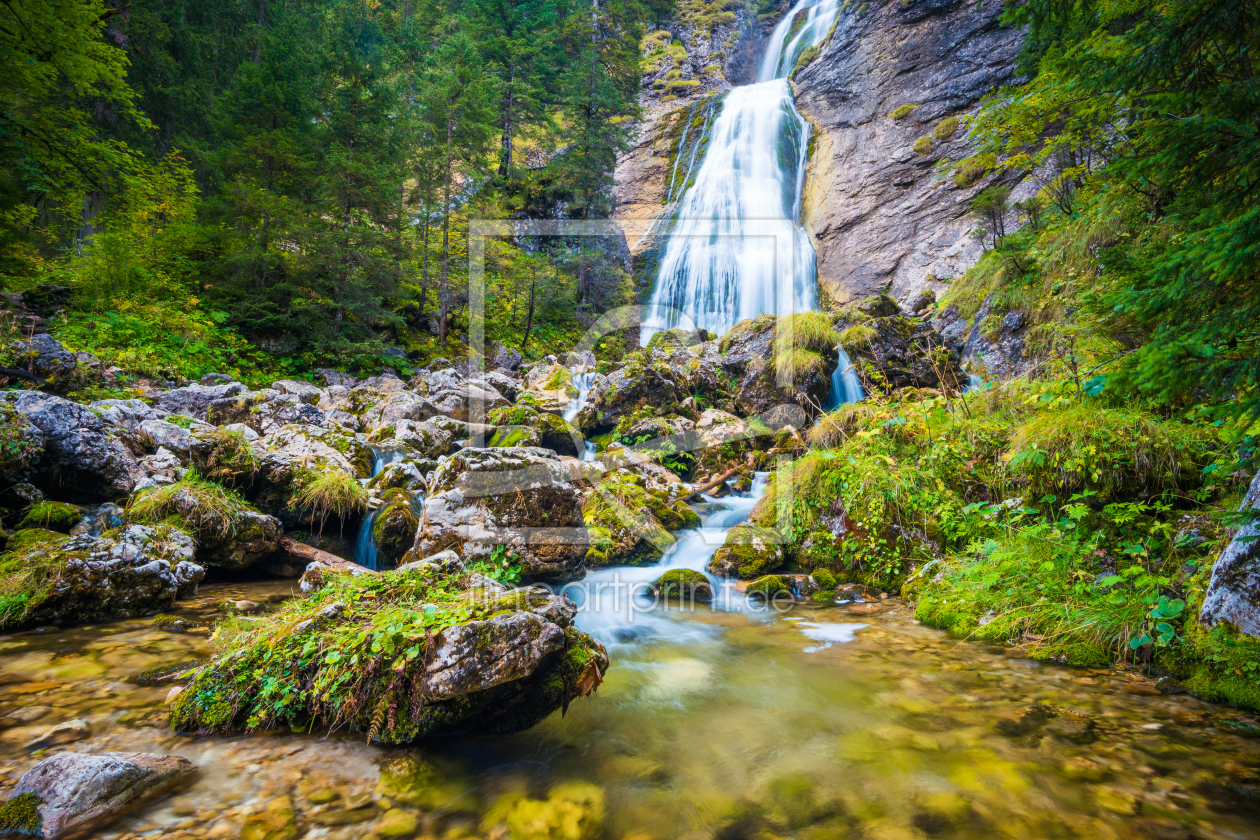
<point x="224" y="455"/>
<point x="327" y="492"/>
<point x="26" y="571"/>
<point x="52" y="516"/>
<point x="1073" y="527"/>
<point x="355" y="653"/>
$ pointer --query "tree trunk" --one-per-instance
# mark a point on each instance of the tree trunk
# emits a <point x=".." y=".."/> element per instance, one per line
<point x="446" y="236"/>
<point x="529" y="321"/>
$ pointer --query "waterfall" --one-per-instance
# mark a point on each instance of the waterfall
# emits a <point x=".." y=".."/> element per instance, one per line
<point x="364" y="544"/>
<point x="581" y="381"/>
<point x="724" y="257"/>
<point x="845" y="385"/>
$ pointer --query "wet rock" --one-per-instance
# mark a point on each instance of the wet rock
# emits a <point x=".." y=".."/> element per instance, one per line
<point x="630" y="519"/>
<point x="881" y="218"/>
<point x="683" y="584"/>
<point x="631" y="387"/>
<point x="517" y="497"/>
<point x="748" y="552"/>
<point x="73" y="580"/>
<point x="81" y="461"/>
<point x="893" y="350"/>
<point x="1233" y="595"/>
<point x="409" y="474"/>
<point x="993" y="343"/>
<point x="80" y="793"/>
<point x="62" y="733"/>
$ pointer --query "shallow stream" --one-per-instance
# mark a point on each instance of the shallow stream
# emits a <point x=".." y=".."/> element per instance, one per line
<point x="811" y="723"/>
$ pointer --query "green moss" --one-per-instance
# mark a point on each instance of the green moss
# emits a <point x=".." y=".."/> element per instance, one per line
<point x="769" y="585"/>
<point x="16" y="448"/>
<point x="327" y="492"/>
<point x="206" y="509"/>
<point x="903" y="111"/>
<point x="824" y="579"/>
<point x="354" y="653"/>
<point x="945" y="129"/>
<point x="20" y="815"/>
<point x="923" y="146"/>
<point x="685" y="584"/>
<point x="857" y="337"/>
<point x="31" y="538"/>
<point x="52" y="516"/>
<point x="970" y="170"/>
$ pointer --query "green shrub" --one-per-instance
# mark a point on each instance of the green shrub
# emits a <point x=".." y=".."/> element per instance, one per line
<point x="923" y="146"/>
<point x="325" y="492"/>
<point x="857" y="337"/>
<point x="228" y="458"/>
<point x="970" y="170"/>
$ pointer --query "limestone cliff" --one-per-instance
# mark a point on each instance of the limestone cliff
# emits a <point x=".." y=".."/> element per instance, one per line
<point x="884" y="216"/>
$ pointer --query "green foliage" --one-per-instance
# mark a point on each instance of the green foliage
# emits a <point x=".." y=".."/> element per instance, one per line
<point x="770" y="585"/>
<point x="923" y="146"/>
<point x="502" y="565"/>
<point x="970" y="170"/>
<point x="1151" y="231"/>
<point x="903" y="111"/>
<point x="26" y="570"/>
<point x="16" y="448"/>
<point x="224" y="455"/>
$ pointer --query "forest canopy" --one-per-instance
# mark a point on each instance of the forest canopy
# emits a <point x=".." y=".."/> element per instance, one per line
<point x="215" y="179"/>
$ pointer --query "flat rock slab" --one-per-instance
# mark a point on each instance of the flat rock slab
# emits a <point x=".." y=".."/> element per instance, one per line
<point x="81" y="792"/>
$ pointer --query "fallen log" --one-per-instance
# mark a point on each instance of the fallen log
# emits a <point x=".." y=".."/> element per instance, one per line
<point x="310" y="554"/>
<point x="715" y="482"/>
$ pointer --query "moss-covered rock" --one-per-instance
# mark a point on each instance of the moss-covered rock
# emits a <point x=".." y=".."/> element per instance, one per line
<point x="73" y="580"/>
<point x="516" y="436"/>
<point x="683" y="584"/>
<point x="749" y="552"/>
<point x="628" y="518"/>
<point x="400" y="656"/>
<point x="230" y="534"/>
<point x="770" y="585"/>
<point x="394" y="529"/>
<point x="52" y="516"/>
<point x="520" y="498"/>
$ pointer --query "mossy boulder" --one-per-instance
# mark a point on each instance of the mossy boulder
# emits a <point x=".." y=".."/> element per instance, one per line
<point x="683" y="584"/>
<point x="633" y="386"/>
<point x="52" y="516"/>
<point x="363" y="650"/>
<point x="394" y="529"/>
<point x="770" y="586"/>
<point x="229" y="533"/>
<point x="521" y="498"/>
<point x="631" y="519"/>
<point x="123" y="573"/>
<point x="749" y="552"/>
<point x="516" y="436"/>
<point x="560" y="436"/>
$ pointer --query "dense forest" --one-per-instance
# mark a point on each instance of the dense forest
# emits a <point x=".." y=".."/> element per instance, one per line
<point x="213" y="181"/>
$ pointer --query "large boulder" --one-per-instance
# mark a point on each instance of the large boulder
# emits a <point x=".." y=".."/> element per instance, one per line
<point x="317" y="447"/>
<point x="471" y="401"/>
<point x="630" y="519"/>
<point x="1233" y="595"/>
<point x="633" y="386"/>
<point x="229" y="534"/>
<point x="749" y="552"/>
<point x="520" y="498"/>
<point x="423" y="439"/>
<point x="265" y="411"/>
<point x="126" y="414"/>
<point x="389" y="408"/>
<point x="48" y="360"/>
<point x="21" y="441"/>
<point x="478" y="660"/>
<point x="77" y="794"/>
<point x="139" y="570"/>
<point x="194" y="400"/>
<point x="81" y="461"/>
<point x="779" y="364"/>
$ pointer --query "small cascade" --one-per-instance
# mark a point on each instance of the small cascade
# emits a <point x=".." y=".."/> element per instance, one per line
<point x="582" y="381"/>
<point x="613" y="605"/>
<point x="845" y="385"/>
<point x="973" y="382"/>
<point x="365" y="553"/>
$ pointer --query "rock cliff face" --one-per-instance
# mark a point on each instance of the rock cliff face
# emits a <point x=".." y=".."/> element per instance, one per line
<point x="883" y="218"/>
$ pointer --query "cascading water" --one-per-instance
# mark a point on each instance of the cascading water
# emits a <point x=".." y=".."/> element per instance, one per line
<point x="722" y="261"/>
<point x="845" y="385"/>
<point x="582" y="381"/>
<point x="613" y="604"/>
<point x="365" y="553"/>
